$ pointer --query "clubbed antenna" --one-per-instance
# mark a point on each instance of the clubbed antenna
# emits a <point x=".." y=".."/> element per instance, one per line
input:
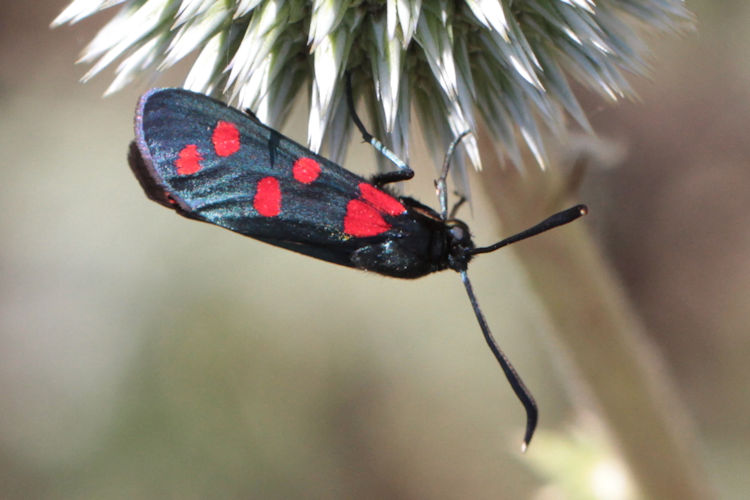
<point x="514" y="379"/>
<point x="550" y="222"/>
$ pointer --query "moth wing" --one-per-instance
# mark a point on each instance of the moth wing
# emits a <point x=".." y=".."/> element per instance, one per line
<point x="214" y="163"/>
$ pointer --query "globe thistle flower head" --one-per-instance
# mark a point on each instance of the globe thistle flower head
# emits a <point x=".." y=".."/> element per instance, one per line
<point x="456" y="62"/>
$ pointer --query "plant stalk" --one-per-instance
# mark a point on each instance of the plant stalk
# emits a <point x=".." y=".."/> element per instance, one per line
<point x="602" y="335"/>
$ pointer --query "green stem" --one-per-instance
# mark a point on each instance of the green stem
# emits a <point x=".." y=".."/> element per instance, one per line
<point x="605" y="340"/>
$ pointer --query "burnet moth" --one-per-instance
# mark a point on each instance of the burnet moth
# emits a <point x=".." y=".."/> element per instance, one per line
<point x="213" y="163"/>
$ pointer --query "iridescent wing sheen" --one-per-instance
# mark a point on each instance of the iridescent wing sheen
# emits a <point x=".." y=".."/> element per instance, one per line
<point x="216" y="164"/>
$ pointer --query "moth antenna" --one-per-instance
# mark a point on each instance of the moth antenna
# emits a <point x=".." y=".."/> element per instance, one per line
<point x="522" y="393"/>
<point x="551" y="222"/>
<point x="441" y="183"/>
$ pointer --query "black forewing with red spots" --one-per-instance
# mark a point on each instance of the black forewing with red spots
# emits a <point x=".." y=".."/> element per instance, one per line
<point x="217" y="164"/>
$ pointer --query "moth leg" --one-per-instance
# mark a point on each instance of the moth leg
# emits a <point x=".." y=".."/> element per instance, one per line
<point x="403" y="172"/>
<point x="457" y="205"/>
<point x="249" y="112"/>
<point x="441" y="184"/>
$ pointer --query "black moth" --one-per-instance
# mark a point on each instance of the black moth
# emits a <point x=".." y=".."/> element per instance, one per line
<point x="216" y="164"/>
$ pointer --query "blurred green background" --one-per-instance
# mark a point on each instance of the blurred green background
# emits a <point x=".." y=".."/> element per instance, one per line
<point x="143" y="355"/>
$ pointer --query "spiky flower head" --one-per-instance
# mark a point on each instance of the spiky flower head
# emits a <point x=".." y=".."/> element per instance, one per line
<point x="509" y="60"/>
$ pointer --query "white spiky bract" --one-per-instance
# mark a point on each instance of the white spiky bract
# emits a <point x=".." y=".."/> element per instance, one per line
<point x="511" y="61"/>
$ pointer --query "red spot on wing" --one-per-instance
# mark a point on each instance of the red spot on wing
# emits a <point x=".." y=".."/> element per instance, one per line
<point x="363" y="220"/>
<point x="267" y="200"/>
<point x="380" y="200"/>
<point x="226" y="138"/>
<point x="189" y="160"/>
<point x="306" y="170"/>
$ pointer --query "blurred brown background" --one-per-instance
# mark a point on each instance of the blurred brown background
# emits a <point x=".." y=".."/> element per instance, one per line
<point x="143" y="355"/>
